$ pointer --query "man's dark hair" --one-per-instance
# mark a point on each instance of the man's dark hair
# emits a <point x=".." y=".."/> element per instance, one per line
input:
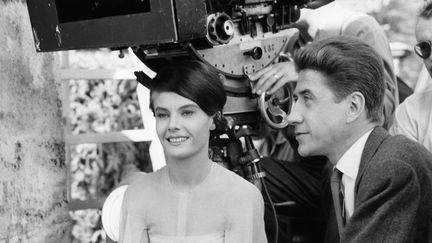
<point x="351" y="66"/>
<point x="193" y="80"/>
<point x="426" y="10"/>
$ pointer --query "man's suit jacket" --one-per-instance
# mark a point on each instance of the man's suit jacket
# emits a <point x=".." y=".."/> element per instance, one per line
<point x="393" y="194"/>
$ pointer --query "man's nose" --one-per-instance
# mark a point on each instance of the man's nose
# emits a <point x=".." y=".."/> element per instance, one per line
<point x="295" y="117"/>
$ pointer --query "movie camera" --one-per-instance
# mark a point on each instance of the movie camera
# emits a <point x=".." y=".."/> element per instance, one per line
<point x="236" y="37"/>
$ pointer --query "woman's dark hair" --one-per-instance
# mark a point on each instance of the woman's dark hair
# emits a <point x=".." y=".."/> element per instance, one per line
<point x="351" y="66"/>
<point x="193" y="80"/>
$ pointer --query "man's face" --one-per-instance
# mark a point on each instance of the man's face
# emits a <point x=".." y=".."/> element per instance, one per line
<point x="424" y="33"/>
<point x="320" y="122"/>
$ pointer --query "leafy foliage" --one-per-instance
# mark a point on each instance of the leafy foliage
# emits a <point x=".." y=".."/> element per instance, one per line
<point x="99" y="106"/>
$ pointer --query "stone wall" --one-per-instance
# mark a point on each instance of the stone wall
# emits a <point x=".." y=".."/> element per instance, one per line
<point x="33" y="206"/>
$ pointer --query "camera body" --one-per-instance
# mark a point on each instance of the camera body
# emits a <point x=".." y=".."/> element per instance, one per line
<point x="66" y="25"/>
<point x="236" y="37"/>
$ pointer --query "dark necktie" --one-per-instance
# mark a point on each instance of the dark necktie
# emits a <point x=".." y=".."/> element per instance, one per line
<point x="338" y="198"/>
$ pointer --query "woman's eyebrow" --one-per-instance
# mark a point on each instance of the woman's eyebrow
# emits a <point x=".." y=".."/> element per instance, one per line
<point x="158" y="108"/>
<point x="188" y="106"/>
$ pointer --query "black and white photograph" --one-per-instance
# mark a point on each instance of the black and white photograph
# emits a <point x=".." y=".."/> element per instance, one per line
<point x="215" y="121"/>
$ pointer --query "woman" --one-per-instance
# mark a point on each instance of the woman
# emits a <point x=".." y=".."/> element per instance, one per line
<point x="191" y="199"/>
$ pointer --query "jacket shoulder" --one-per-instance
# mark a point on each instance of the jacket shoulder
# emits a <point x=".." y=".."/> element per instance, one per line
<point x="398" y="157"/>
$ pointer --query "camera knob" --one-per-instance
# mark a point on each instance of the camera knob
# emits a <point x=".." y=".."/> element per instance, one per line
<point x="256" y="53"/>
<point x="220" y="28"/>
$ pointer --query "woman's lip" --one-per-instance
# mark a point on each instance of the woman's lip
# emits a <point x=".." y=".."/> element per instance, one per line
<point x="177" y="139"/>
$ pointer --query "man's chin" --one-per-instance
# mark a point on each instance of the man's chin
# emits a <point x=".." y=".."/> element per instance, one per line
<point x="308" y="151"/>
<point x="303" y="151"/>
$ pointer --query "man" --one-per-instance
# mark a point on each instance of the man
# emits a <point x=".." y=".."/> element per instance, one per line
<point x="340" y="20"/>
<point x="414" y="116"/>
<point x="378" y="188"/>
<point x="332" y="19"/>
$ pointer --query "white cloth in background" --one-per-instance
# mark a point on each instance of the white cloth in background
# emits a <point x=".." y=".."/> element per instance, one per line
<point x="424" y="81"/>
<point x="414" y="118"/>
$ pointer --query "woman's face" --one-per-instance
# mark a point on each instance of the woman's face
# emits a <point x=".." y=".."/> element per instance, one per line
<point x="182" y="126"/>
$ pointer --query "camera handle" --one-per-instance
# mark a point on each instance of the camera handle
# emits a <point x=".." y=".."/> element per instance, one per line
<point x="251" y="157"/>
<point x="250" y="161"/>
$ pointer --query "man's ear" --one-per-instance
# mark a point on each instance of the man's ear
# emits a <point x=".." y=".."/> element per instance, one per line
<point x="356" y="106"/>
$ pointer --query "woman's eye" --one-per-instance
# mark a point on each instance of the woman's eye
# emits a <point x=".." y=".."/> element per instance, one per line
<point x="187" y="113"/>
<point x="161" y="115"/>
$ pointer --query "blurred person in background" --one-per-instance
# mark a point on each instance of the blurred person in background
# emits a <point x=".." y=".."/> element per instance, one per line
<point x="414" y="116"/>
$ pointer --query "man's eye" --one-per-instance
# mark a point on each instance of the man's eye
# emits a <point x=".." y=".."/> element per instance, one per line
<point x="307" y="98"/>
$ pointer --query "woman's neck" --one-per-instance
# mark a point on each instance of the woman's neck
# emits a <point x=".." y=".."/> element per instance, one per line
<point x="187" y="174"/>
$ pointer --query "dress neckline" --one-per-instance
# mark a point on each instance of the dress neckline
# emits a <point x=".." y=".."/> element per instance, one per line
<point x="193" y="189"/>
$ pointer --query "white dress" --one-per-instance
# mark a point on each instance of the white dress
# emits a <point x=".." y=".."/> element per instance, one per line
<point x="224" y="208"/>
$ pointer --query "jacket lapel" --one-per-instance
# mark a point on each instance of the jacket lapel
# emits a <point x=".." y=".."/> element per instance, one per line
<point x="376" y="138"/>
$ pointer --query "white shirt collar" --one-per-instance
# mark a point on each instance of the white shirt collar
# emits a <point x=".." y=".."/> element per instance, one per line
<point x="349" y="163"/>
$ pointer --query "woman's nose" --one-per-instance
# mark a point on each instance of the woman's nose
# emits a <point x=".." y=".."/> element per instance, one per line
<point x="173" y="122"/>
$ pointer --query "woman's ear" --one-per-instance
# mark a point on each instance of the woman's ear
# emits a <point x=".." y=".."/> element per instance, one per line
<point x="212" y="126"/>
<point x="213" y="121"/>
<point x="356" y="106"/>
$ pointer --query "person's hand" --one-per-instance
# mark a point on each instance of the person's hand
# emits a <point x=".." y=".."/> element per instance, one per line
<point x="273" y="77"/>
